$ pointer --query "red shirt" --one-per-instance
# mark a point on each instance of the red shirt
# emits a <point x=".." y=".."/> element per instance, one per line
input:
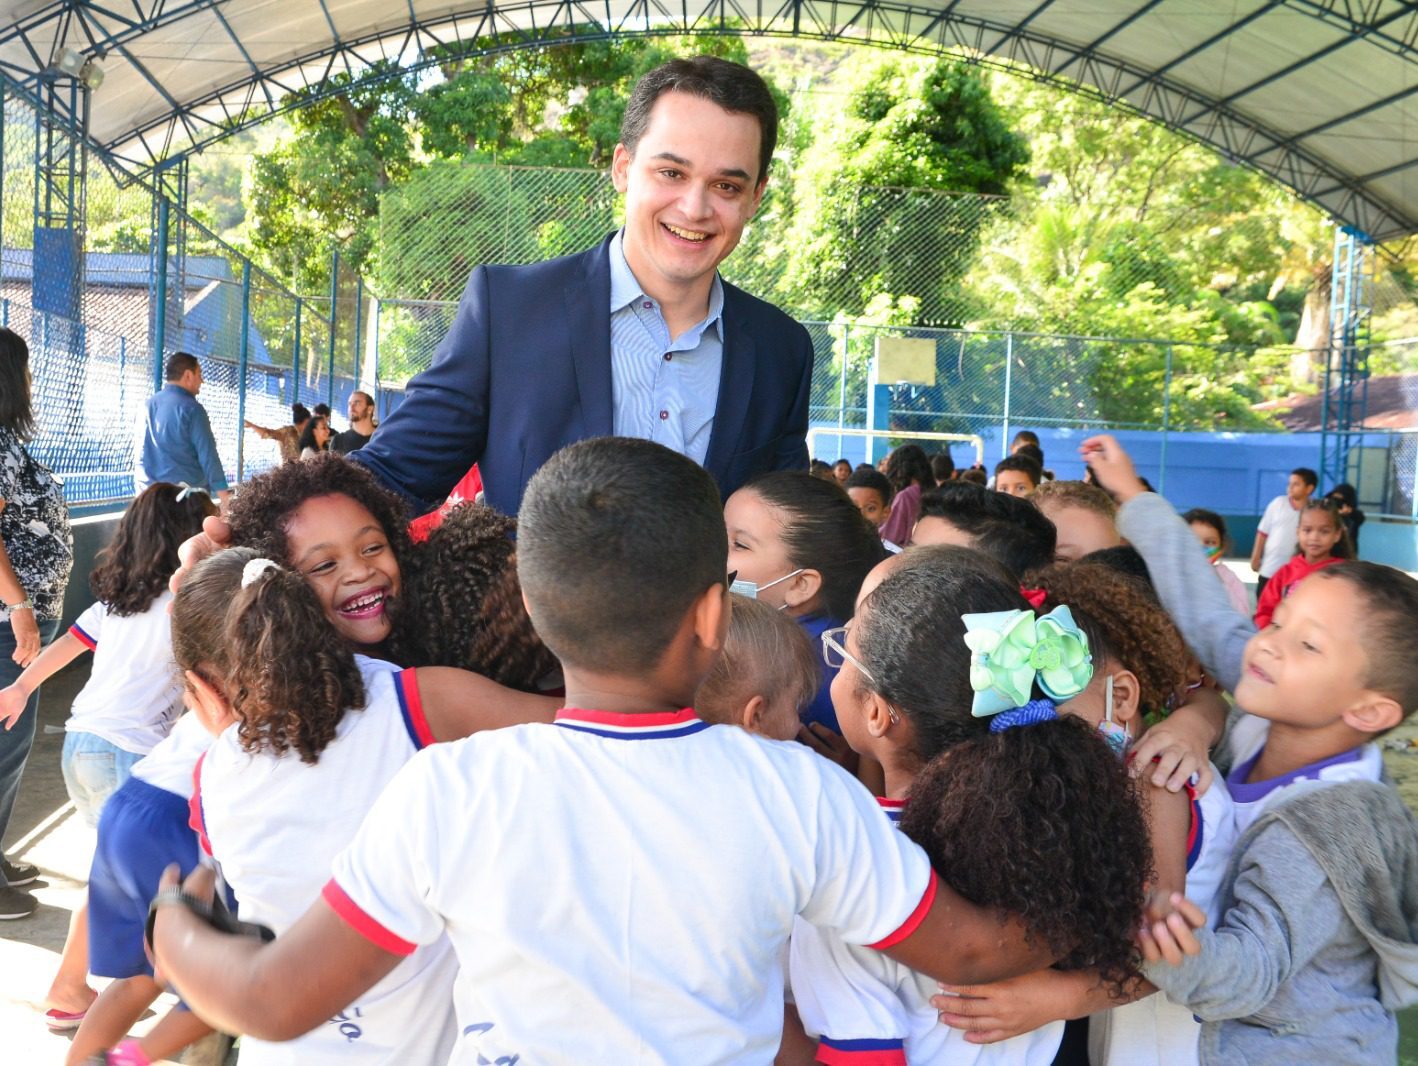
<point x="1283" y="583"/>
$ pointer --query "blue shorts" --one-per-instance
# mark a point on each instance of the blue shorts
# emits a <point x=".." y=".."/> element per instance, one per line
<point x="143" y="830"/>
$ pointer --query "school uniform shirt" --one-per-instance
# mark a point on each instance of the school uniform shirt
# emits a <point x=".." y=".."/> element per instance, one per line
<point x="134" y="691"/>
<point x="1156" y="1030"/>
<point x="1281" y="525"/>
<point x="1364" y="763"/>
<point x="275" y="824"/>
<point x="820" y="710"/>
<point x="1283" y="582"/>
<point x="864" y="1007"/>
<point x="619" y="887"/>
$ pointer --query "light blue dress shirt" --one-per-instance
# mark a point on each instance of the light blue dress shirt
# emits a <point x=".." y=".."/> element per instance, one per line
<point x="177" y="443"/>
<point x="661" y="389"/>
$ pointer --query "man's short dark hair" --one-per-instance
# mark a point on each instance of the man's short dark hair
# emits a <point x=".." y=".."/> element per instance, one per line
<point x="179" y="363"/>
<point x="732" y="86"/>
<point x="299" y="413"/>
<point x="871" y="478"/>
<point x="617" y="537"/>
<point x="1305" y="474"/>
<point x="322" y="410"/>
<point x="1007" y="528"/>
<point x="1025" y="436"/>
<point x="942" y="466"/>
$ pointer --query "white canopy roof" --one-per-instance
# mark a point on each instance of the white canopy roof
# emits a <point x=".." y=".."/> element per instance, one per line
<point x="1322" y="95"/>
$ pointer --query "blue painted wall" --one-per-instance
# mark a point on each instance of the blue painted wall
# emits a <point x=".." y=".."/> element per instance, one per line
<point x="1234" y="474"/>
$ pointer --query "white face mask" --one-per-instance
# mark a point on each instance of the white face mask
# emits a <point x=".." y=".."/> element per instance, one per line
<point x="751" y="589"/>
<point x="1116" y="734"/>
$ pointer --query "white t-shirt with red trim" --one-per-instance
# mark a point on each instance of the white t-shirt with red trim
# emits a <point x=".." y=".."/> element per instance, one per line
<point x="134" y="691"/>
<point x="275" y="824"/>
<point x="866" y="1009"/>
<point x="619" y="888"/>
<point x="1156" y="1031"/>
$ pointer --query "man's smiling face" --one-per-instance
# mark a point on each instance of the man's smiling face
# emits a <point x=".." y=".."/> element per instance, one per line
<point x="690" y="188"/>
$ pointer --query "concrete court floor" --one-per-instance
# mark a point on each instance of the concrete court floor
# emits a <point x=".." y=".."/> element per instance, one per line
<point x="45" y="830"/>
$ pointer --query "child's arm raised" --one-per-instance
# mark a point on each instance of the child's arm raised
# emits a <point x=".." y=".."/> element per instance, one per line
<point x="1191" y="593"/>
<point x="458" y="703"/>
<point x="48" y="663"/>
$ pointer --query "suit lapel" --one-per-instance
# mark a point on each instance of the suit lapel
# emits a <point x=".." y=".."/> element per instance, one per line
<point x="735" y="388"/>
<point x="588" y="321"/>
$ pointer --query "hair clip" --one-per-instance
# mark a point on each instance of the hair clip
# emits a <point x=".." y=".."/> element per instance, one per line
<point x="254" y="569"/>
<point x="1032" y="713"/>
<point x="1010" y="650"/>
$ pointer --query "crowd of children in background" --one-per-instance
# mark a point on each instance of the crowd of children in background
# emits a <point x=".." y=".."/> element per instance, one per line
<point x="917" y="759"/>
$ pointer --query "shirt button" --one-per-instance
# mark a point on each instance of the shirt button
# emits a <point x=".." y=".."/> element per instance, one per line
<point x="664" y="415"/>
<point x="669" y="356"/>
<point x="647" y="305"/>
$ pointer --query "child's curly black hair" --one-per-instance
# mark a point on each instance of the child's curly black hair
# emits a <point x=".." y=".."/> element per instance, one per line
<point x="1042" y="821"/>
<point x="1125" y="624"/>
<point x="270" y="650"/>
<point x="462" y="602"/>
<point x="261" y="508"/>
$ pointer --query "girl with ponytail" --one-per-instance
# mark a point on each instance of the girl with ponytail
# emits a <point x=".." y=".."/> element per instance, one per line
<point x="949" y="679"/>
<point x="307" y="735"/>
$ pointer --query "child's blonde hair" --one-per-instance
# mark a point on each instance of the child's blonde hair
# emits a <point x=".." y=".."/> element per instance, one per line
<point x="765" y="654"/>
<point x="1074" y="494"/>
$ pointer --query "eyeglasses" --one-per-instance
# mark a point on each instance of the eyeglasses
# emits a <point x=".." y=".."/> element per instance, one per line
<point x="836" y="655"/>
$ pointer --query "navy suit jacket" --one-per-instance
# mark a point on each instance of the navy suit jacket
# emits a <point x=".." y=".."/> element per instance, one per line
<point x="526" y="369"/>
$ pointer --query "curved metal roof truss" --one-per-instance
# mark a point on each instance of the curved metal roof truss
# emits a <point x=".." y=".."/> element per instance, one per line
<point x="1321" y="95"/>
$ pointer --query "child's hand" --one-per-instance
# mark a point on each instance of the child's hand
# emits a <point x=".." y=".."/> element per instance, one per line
<point x="1005" y="1009"/>
<point x="1173" y="938"/>
<point x="1174" y="751"/>
<point x="12" y="705"/>
<point x="215" y="535"/>
<point x="1112" y="467"/>
<point x="829" y="745"/>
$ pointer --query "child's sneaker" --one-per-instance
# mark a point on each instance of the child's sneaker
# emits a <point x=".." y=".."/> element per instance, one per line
<point x="15" y="904"/>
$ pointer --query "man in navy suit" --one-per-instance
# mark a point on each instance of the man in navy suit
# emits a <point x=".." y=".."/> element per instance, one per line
<point x="638" y="337"/>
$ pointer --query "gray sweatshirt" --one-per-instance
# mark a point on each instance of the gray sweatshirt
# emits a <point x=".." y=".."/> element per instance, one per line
<point x="1316" y="944"/>
<point x="1187" y="586"/>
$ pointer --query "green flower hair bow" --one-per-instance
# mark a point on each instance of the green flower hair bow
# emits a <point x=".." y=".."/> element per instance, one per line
<point x="1009" y="649"/>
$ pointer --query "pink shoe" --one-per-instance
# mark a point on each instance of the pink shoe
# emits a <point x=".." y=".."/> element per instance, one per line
<point x="62" y="1021"/>
<point x="128" y="1053"/>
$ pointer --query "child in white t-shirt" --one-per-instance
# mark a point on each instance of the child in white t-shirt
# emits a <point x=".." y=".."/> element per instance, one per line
<point x="133" y="694"/>
<point x="618" y="886"/>
<point x="1010" y="800"/>
<point x="1279" y="525"/>
<point x="301" y="752"/>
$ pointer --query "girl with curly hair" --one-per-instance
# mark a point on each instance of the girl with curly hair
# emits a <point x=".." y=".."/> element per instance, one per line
<point x="1019" y="808"/>
<point x="1140" y="670"/>
<point x="328" y="520"/>
<point x="307" y="735"/>
<point x="462" y="604"/>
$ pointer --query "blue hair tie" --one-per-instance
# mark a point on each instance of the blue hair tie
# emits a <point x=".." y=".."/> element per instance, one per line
<point x="1032" y="713"/>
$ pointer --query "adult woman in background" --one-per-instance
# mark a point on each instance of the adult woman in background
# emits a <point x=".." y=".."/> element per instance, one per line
<point x="36" y="554"/>
<point x="315" y="438"/>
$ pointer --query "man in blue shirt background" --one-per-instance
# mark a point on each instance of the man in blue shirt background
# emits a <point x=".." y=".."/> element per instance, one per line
<point x="177" y="444"/>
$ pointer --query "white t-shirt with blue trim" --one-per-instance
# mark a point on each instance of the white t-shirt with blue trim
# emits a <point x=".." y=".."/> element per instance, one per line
<point x="619" y="888"/>
<point x="275" y="824"/>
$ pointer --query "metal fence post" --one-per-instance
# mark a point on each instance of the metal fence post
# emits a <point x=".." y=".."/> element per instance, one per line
<point x="1166" y="421"/>
<point x="160" y="312"/>
<point x="334" y="302"/>
<point x="378" y="307"/>
<point x="842" y="383"/>
<point x="295" y="355"/>
<point x="243" y="354"/>
<point x="1008" y="387"/>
